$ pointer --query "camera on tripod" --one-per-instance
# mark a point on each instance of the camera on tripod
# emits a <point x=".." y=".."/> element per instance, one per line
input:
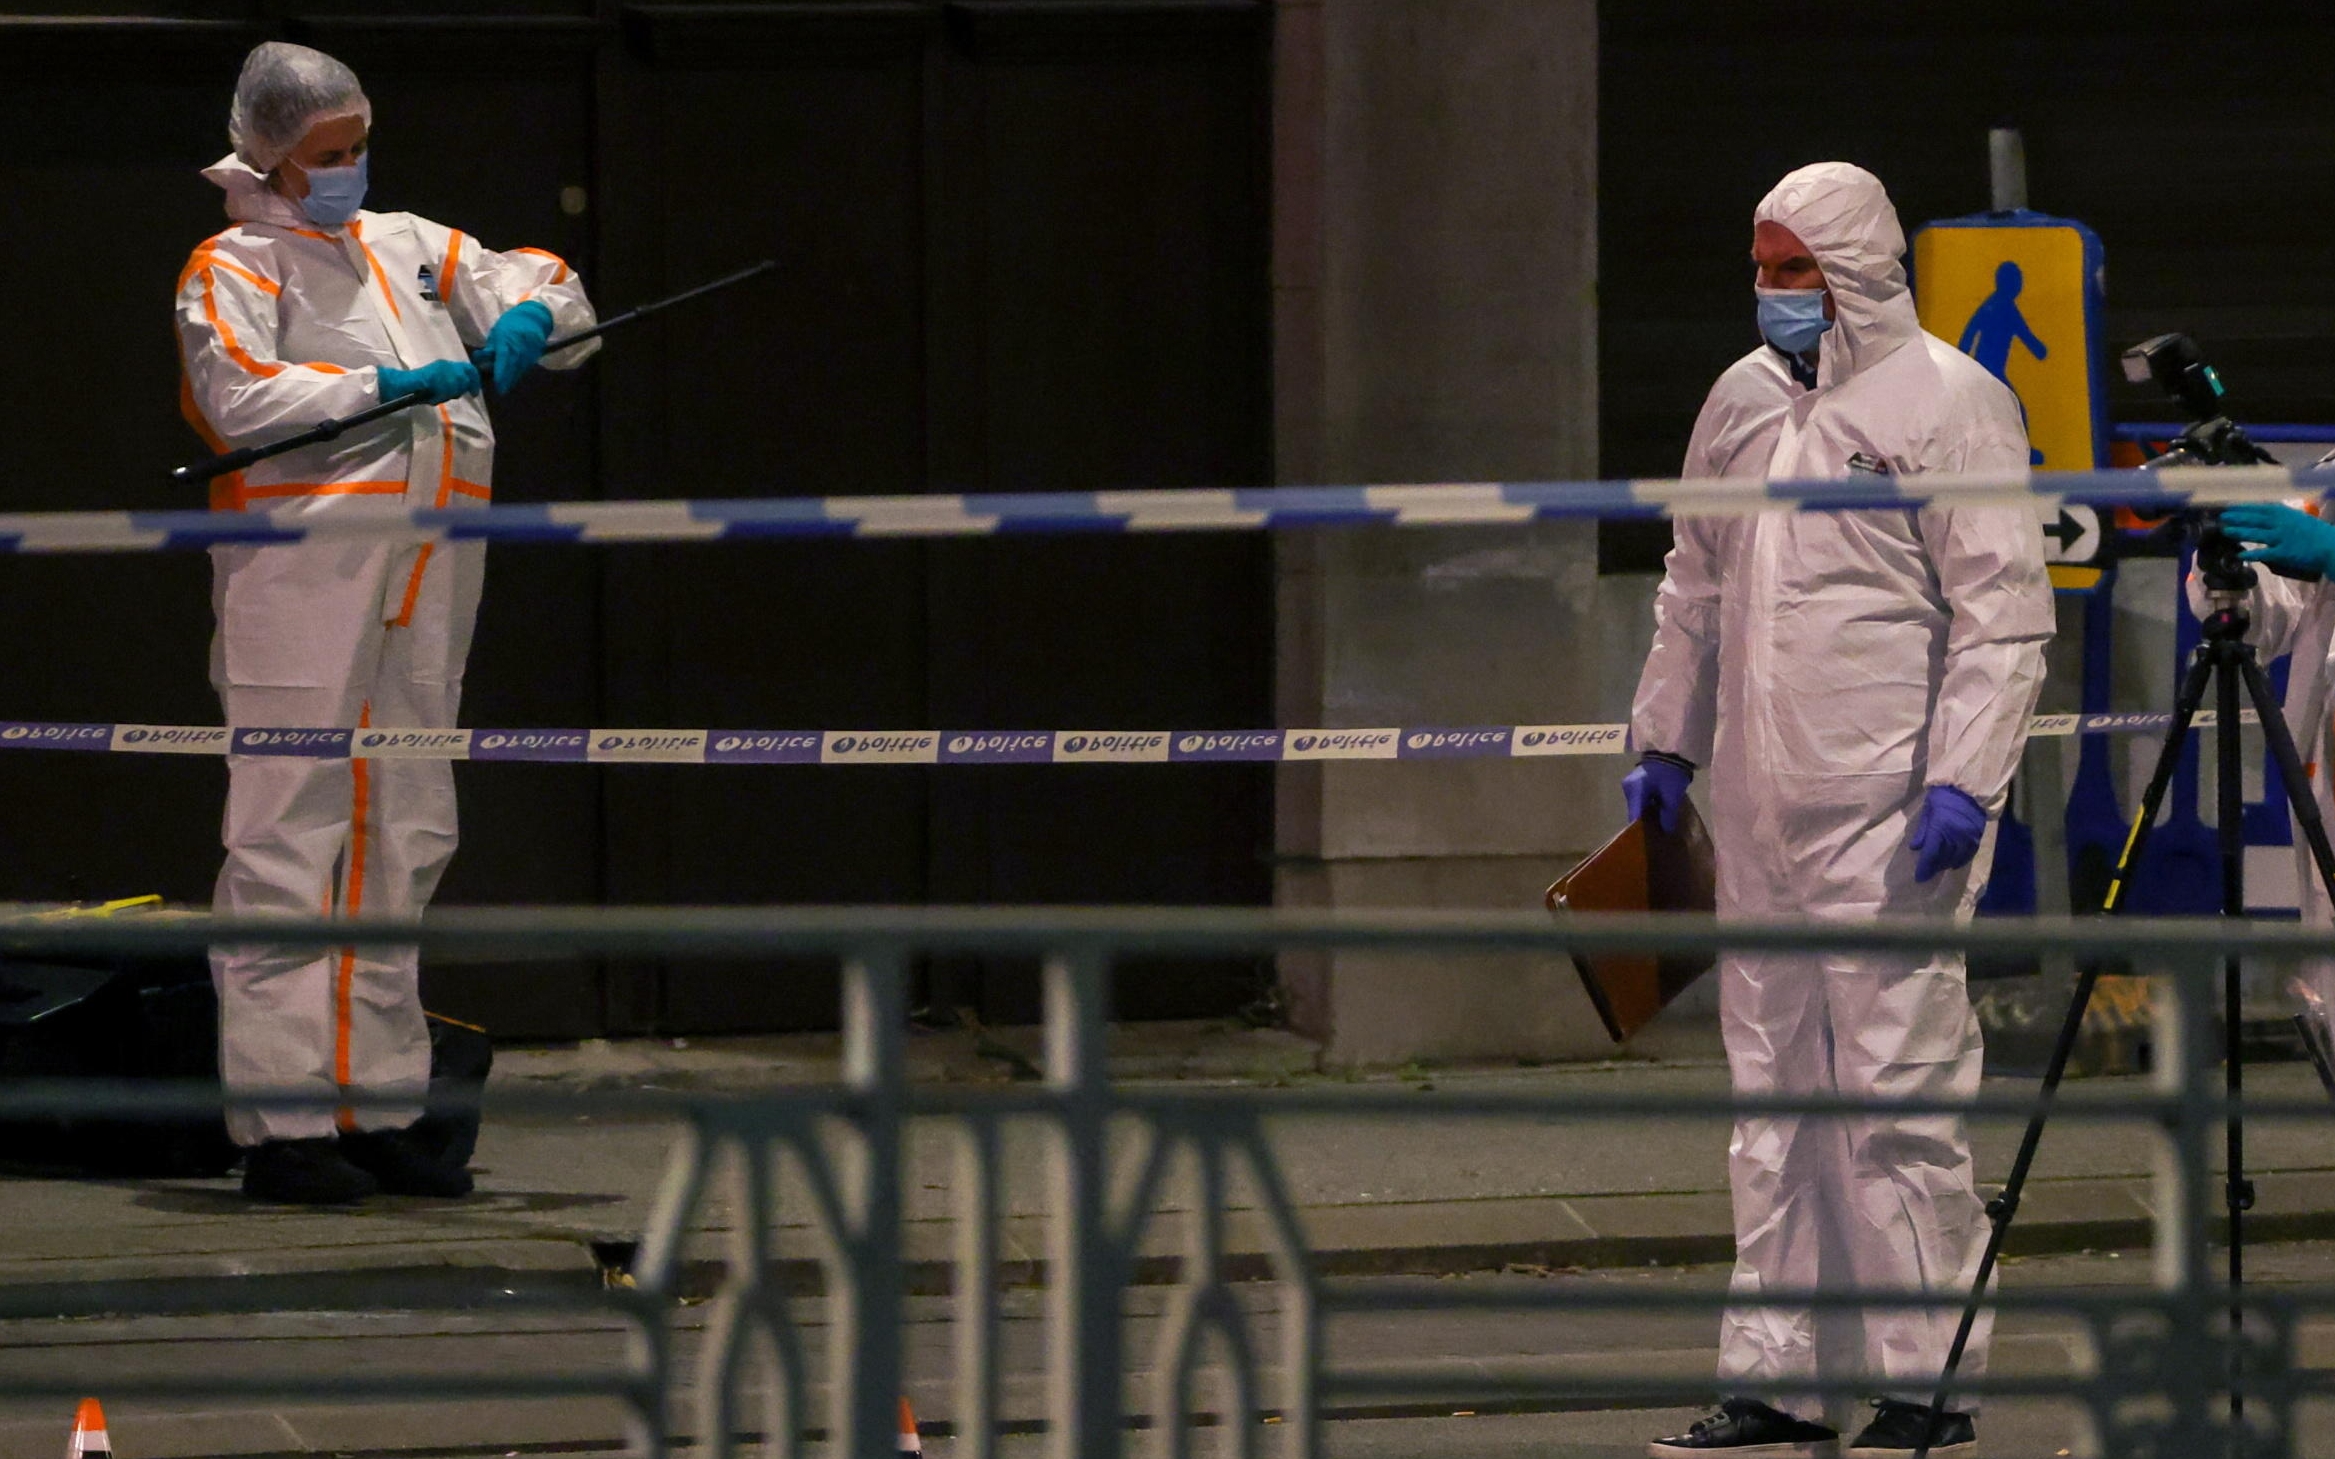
<point x="2226" y="672"/>
<point x="2179" y="368"/>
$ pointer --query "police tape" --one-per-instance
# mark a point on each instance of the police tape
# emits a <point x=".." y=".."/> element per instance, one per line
<point x="347" y="519"/>
<point x="898" y="747"/>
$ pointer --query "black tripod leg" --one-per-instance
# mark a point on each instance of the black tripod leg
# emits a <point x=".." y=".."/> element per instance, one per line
<point x="2152" y="800"/>
<point x="2004" y="1206"/>
<point x="2230" y="811"/>
<point x="2305" y="807"/>
<point x="2299" y="799"/>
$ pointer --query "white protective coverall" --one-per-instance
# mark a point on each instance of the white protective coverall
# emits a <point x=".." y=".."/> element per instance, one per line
<point x="1827" y="668"/>
<point x="2298" y="618"/>
<point x="281" y="324"/>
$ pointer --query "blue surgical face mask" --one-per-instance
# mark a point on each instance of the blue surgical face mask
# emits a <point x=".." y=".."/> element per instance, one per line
<point x="1792" y="319"/>
<point x="335" y="193"/>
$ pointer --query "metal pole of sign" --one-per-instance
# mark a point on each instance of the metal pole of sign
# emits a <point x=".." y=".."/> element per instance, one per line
<point x="2006" y="156"/>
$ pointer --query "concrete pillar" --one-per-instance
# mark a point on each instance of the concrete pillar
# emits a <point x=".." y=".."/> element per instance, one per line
<point x="1435" y="286"/>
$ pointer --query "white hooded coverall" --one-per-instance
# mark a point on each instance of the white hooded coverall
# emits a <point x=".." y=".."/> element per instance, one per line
<point x="281" y="325"/>
<point x="1828" y="667"/>
<point x="2298" y="618"/>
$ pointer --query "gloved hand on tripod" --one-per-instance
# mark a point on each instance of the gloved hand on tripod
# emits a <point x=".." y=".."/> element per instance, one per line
<point x="1947" y="833"/>
<point x="2288" y="541"/>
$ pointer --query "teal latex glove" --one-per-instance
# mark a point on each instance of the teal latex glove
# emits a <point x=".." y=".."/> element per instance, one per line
<point x="514" y="345"/>
<point x="2281" y="537"/>
<point x="438" y="382"/>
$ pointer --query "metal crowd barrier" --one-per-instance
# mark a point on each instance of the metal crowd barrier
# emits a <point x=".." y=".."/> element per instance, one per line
<point x="2153" y="1383"/>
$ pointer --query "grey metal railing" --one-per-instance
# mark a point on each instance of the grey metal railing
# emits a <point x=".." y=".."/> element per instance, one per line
<point x="2154" y="1384"/>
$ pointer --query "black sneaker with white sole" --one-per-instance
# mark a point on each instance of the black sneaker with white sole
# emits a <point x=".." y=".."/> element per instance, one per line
<point x="1745" y="1428"/>
<point x="1898" y="1429"/>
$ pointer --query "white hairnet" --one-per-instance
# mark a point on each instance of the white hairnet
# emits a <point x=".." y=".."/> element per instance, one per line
<point x="284" y="90"/>
<point x="1844" y="216"/>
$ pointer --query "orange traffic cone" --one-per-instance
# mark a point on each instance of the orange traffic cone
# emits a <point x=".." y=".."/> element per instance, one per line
<point x="909" y="1443"/>
<point x="89" y="1437"/>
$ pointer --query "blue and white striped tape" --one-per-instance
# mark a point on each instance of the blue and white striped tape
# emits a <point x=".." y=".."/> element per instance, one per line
<point x="1263" y="509"/>
<point x="898" y="747"/>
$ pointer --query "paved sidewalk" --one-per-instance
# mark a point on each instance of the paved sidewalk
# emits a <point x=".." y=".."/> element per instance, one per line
<point x="1426" y="1195"/>
<point x="1578" y="1384"/>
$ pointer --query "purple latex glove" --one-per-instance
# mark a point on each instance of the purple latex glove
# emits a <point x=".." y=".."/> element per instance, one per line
<point x="1658" y="786"/>
<point x="1947" y="833"/>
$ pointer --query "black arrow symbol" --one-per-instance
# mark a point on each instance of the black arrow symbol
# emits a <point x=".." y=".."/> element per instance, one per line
<point x="2067" y="532"/>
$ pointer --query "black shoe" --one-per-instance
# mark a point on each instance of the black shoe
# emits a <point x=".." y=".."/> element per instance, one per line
<point x="1744" y="1428"/>
<point x="405" y="1164"/>
<point x="304" y="1173"/>
<point x="1899" y="1428"/>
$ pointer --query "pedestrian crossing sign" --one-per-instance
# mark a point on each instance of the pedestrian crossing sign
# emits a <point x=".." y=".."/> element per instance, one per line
<point x="2022" y="293"/>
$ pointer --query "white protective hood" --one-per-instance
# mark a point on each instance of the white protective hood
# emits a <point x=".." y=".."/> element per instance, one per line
<point x="1844" y="215"/>
<point x="250" y="199"/>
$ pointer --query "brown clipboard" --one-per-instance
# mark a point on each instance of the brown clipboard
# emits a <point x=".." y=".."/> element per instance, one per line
<point x="1642" y="869"/>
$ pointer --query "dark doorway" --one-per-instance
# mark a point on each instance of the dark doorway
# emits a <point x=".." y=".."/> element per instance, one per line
<point x="1023" y="247"/>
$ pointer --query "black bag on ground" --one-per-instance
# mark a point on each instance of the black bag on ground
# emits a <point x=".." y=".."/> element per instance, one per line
<point x="155" y="1019"/>
<point x="159" y="1019"/>
<point x="461" y="1056"/>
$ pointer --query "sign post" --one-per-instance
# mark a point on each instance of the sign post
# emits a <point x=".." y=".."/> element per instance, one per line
<point x="2023" y="294"/>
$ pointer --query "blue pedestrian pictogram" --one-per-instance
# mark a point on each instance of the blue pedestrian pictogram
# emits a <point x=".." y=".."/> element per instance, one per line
<point x="1995" y="326"/>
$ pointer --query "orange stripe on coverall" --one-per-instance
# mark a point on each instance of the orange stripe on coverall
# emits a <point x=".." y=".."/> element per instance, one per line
<point x="251" y="365"/>
<point x="265" y="369"/>
<point x="207" y="258"/>
<point x="226" y="491"/>
<point x="565" y="273"/>
<point x="205" y="252"/>
<point x="380" y="275"/>
<point x="446" y="269"/>
<point x="232" y="493"/>
<point x="236" y="497"/>
<point x="344" y="985"/>
<point x="421" y="562"/>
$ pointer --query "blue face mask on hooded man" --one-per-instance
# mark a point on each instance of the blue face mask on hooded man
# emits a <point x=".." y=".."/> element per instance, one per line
<point x="1792" y="319"/>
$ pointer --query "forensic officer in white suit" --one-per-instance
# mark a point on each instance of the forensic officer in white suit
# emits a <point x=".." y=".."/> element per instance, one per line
<point x="1858" y="685"/>
<point x="309" y="308"/>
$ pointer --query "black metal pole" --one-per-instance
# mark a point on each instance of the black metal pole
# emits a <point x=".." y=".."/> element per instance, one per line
<point x="237" y="460"/>
<point x="631" y="316"/>
<point x="233" y="461"/>
<point x="2229" y="811"/>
